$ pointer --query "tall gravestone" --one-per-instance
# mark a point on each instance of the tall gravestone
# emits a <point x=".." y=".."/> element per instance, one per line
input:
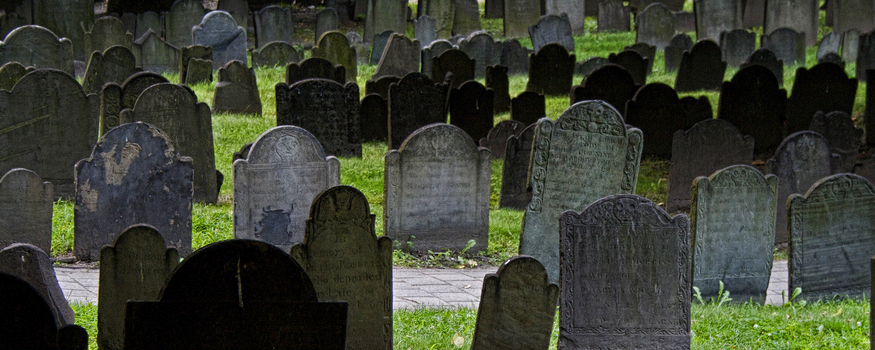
<point x="334" y="47"/>
<point x="275" y="54"/>
<point x="114" y="65"/>
<point x="425" y="31"/>
<point x="657" y="111"/>
<point x="36" y="46"/>
<point x="717" y="16"/>
<point x="145" y="21"/>
<point x="67" y="19"/>
<point x="326" y="21"/>
<point x="850" y="45"/>
<point x="34" y="266"/>
<point x="414" y="102"/>
<point x="613" y="16"/>
<point x="239" y="9"/>
<point x="798" y="15"/>
<point x="551" y="70"/>
<point x="471" y="109"/>
<point x="514" y="176"/>
<point x="787" y="44"/>
<point x="825" y="87"/>
<point x="385" y="15"/>
<point x="28" y="322"/>
<point x="843" y="136"/>
<point x="330" y="111"/>
<point x="588" y="153"/>
<point x="107" y="32"/>
<point x="237" y="90"/>
<point x="494" y="9"/>
<point x="183" y="15"/>
<point x="219" y="31"/>
<point x="737" y="45"/>
<point x="273" y="23"/>
<point x="400" y="57"/>
<point x="484" y="50"/>
<point x="156" y="55"/>
<point x="528" y="107"/>
<point x="610" y="83"/>
<point x="466" y="19"/>
<point x="26" y="207"/>
<point x="756" y="105"/>
<point x="552" y="29"/>
<point x="519" y="15"/>
<point x="655" y="26"/>
<point x="702" y="68"/>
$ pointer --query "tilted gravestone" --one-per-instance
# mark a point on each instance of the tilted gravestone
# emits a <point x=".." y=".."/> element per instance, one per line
<point x="11" y="73"/>
<point x="456" y="62"/>
<point x="797" y="15"/>
<point x="657" y="111"/>
<point x="134" y="267"/>
<point x="853" y="14"/>
<point x="115" y="98"/>
<point x="400" y="57"/>
<point x="702" y="68"/>
<point x="425" y="31"/>
<point x="865" y="55"/>
<point x="318" y="68"/>
<point x="708" y="146"/>
<point x="496" y="139"/>
<point x="613" y="16"/>
<point x="156" y="55"/>
<point x="114" y="65"/>
<point x="436" y="194"/>
<point x="275" y="184"/>
<point x="517" y="307"/>
<point x="588" y="153"/>
<point x="466" y="19"/>
<point x="737" y="46"/>
<point x="34" y="266"/>
<point x="756" y="105"/>
<point x="634" y="63"/>
<point x="717" y="16"/>
<point x="330" y="111"/>
<point x="326" y="21"/>
<point x="28" y="322"/>
<point x="787" y="45"/>
<point x="610" y="252"/>
<point x="183" y="15"/>
<point x="237" y="90"/>
<point x="514" y="176"/>
<point x="219" y="31"/>
<point x="275" y="54"/>
<point x="497" y="80"/>
<point x="107" y="32"/>
<point x="589" y="65"/>
<point x="67" y="19"/>
<point x="528" y="107"/>
<point x="831" y="43"/>
<point x="385" y="15"/>
<point x="381" y="86"/>
<point x="674" y="52"/>
<point x="347" y="262"/>
<point x="414" y="102"/>
<point x="484" y="50"/>
<point x="471" y="109"/>
<point x="518" y="16"/>
<point x="379" y="45"/>
<point x="832" y="238"/>
<point x="767" y="59"/>
<point x="825" y="87"/>
<point x="375" y="118"/>
<point x="611" y="84"/>
<point x="551" y="70"/>
<point x="655" y="26"/>
<point x="36" y="46"/>
<point x="194" y="55"/>
<point x="552" y="29"/>
<point x="843" y="137"/>
<point x="272" y="24"/>
<point x="432" y="51"/>
<point x="26" y="205"/>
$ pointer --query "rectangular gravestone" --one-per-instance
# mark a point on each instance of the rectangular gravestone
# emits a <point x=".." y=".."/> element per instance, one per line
<point x="273" y="23"/>
<point x="866" y="55"/>
<point x="799" y="15"/>
<point x="519" y="15"/>
<point x="443" y="13"/>
<point x="183" y="15"/>
<point x="425" y="31"/>
<point x="717" y="16"/>
<point x="26" y="209"/>
<point x="853" y="14"/>
<point x="514" y="176"/>
<point x="331" y="111"/>
<point x="466" y="19"/>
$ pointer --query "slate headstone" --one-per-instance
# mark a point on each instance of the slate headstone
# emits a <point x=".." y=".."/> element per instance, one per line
<point x="497" y="80"/>
<point x="610" y="83"/>
<point x="551" y="70"/>
<point x="800" y="16"/>
<point x="471" y="109"/>
<point x="326" y="21"/>
<point x="425" y="31"/>
<point x="613" y="16"/>
<point x="634" y="63"/>
<point x="674" y="52"/>
<point x="825" y="87"/>
<point x="496" y="139"/>
<point x="314" y="68"/>
<point x="36" y="46"/>
<point x="26" y="207"/>
<point x="375" y="118"/>
<point x="67" y="19"/>
<point x="702" y="68"/>
<point x="737" y="46"/>
<point x="178" y="22"/>
<point x="518" y="16"/>
<point x="414" y="102"/>
<point x="467" y="17"/>
<point x="329" y="110"/>
<point x="28" y="322"/>
<point x="219" y="31"/>
<point x="717" y="16"/>
<point x="456" y="62"/>
<point x="528" y="107"/>
<point x="34" y="266"/>
<point x="273" y="23"/>
<point x="831" y="43"/>
<point x="655" y="26"/>
<point x="116" y="97"/>
<point x="866" y="55"/>
<point x="237" y="90"/>
<point x="657" y="111"/>
<point x="400" y="57"/>
<point x="114" y="65"/>
<point x="156" y="55"/>
<point x="379" y="45"/>
<point x="11" y="73"/>
<point x="385" y="15"/>
<point x="275" y="54"/>
<point x="843" y="137"/>
<point x="552" y="29"/>
<point x="515" y="57"/>
<point x="756" y="105"/>
<point x="107" y="32"/>
<point x="767" y="59"/>
<point x="483" y="50"/>
<point x="514" y="192"/>
<point x="787" y="45"/>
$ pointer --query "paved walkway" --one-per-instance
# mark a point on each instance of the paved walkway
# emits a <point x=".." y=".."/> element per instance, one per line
<point x="411" y="287"/>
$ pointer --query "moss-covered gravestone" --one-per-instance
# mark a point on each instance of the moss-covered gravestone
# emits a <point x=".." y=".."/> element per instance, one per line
<point x="114" y="65"/>
<point x="237" y="90"/>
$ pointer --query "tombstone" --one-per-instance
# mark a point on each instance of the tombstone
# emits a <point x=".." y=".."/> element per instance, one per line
<point x="26" y="202"/>
<point x="497" y="80"/>
<point x="831" y="238"/>
<point x="528" y="107"/>
<point x="326" y="21"/>
<point x="644" y="246"/>
<point x="28" y="322"/>
<point x="431" y="52"/>
<point x="239" y="9"/>
<point x="655" y="26"/>
<point x="340" y="232"/>
<point x="327" y="109"/>
<point x="756" y="105"/>
<point x="107" y="32"/>
<point x="275" y="54"/>
<point x="385" y="15"/>
<point x="518" y="16"/>
<point x="286" y="162"/>
<point x="517" y="307"/>
<point x="611" y="84"/>
<point x="314" y="68"/>
<point x="273" y="23"/>
<point x="178" y="22"/>
<point x="702" y="68"/>
<point x="830" y="43"/>
<point x="754" y="13"/>
<point x="613" y="16"/>
<point x="438" y="164"/>
<point x="733" y="233"/>
<point x="11" y="73"/>
<point x="851" y="14"/>
<point x="237" y="90"/>
<point x="443" y="12"/>
<point x="825" y="87"/>
<point x="868" y="113"/>
<point x="145" y="21"/>
<point x="865" y="55"/>
<point x="374" y="118"/>
<point x="850" y="45"/>
<point x="400" y="57"/>
<point x="471" y="109"/>
<point x="156" y="55"/>
<point x="116" y="97"/>
<point x="657" y="111"/>
<point x="685" y="22"/>
<point x="634" y="63"/>
<point x="228" y="40"/>
<point x="767" y="59"/>
<point x="494" y="9"/>
<point x="605" y="157"/>
<point x="646" y="51"/>
<point x="552" y="29"/>
<point x="787" y="44"/>
<point x="195" y="53"/>
<point x="843" y="137"/>
<point x="737" y="46"/>
<point x="717" y="16"/>
<point x="381" y="86"/>
<point x="114" y="65"/>
<point x="34" y="266"/>
<point x="135" y="267"/>
<point x="467" y="17"/>
<point x="175" y="110"/>
<point x="36" y="46"/>
<point x="797" y="15"/>
<point x="414" y="102"/>
<point x="833" y="58"/>
<point x="380" y="42"/>
<point x="496" y="139"/>
<point x="425" y="31"/>
<point x="551" y="71"/>
<point x="11" y="20"/>
<point x="456" y="62"/>
<point x="707" y="147"/>
<point x="674" y="52"/>
<point x="515" y="57"/>
<point x="589" y="65"/>
<point x="362" y="50"/>
<point x="514" y="192"/>
<point x="67" y="19"/>
<point x="483" y="50"/>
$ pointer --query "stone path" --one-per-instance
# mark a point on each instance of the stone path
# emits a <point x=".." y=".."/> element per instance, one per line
<point x="411" y="287"/>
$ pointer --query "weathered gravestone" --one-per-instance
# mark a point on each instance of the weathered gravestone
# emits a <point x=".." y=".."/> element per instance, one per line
<point x="275" y="54"/>
<point x="657" y="111"/>
<point x="825" y="87"/>
<point x="191" y="59"/>
<point x="655" y="26"/>
<point x="330" y="111"/>
<point x="175" y="110"/>
<point x="787" y="45"/>
<point x="466" y="19"/>
<point x="733" y="234"/>
<point x="26" y="207"/>
<point x="67" y="19"/>
<point x="551" y="70"/>
<point x="832" y="238"/>
<point x="767" y="59"/>
<point x="156" y="55"/>
<point x="528" y="107"/>
<point x="494" y="9"/>
<point x="326" y="21"/>
<point x="866" y="55"/>
<point x="552" y="29"/>
<point x="853" y="14"/>
<point x="431" y="52"/>
<point x="702" y="68"/>
<point x="471" y="109"/>
<point x="34" y="266"/>
<point x="737" y="46"/>
<point x="801" y="160"/>
<point x="574" y="9"/>
<point x="237" y="90"/>
<point x="717" y="16"/>
<point x="11" y="20"/>
<point x="625" y="276"/>
<point x="517" y="307"/>
<point x="11" y="73"/>
<point x="796" y="15"/>
<point x="831" y="43"/>
<point x="497" y="80"/>
<point x="514" y="56"/>
<point x="335" y="48"/>
<point x="385" y="15"/>
<point x="115" y="98"/>
<point x="443" y="12"/>
<point x="756" y="105"/>
<point x="633" y="62"/>
<point x="610" y="83"/>
<point x="273" y="23"/>
<point x="36" y="46"/>
<point x="314" y="68"/>
<point x="400" y="57"/>
<point x="514" y="176"/>
<point x="379" y="45"/>
<point x="375" y="118"/>
<point x="145" y="21"/>
<point x="178" y="22"/>
<point x="843" y="137"/>
<point x="613" y="16"/>
<point x="362" y="50"/>
<point x="414" y="102"/>
<point x="114" y="65"/>
<point x="27" y="321"/>
<point x="519" y="15"/>
<point x="347" y="262"/>
<point x="708" y="146"/>
<point x="483" y="50"/>
<point x="107" y="32"/>
<point x="850" y="45"/>
<point x="381" y="86"/>
<point x="646" y="51"/>
<point x="135" y="267"/>
<point x="436" y="193"/>
<point x="588" y="153"/>
<point x="276" y="183"/>
<point x="219" y="31"/>
<point x="496" y="139"/>
<point x="589" y="65"/>
<point x="674" y="52"/>
<point x="425" y="31"/>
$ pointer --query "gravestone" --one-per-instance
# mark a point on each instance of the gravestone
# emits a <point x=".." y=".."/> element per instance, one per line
<point x="431" y="52"/>
<point x="237" y="90"/>
<point x="347" y="262"/>
<point x="436" y="194"/>
<point x="156" y="55"/>
<point x="456" y="62"/>
<point x="733" y="234"/>
<point x="443" y="12"/>
<point x="702" y="68"/>
<point x="11" y="73"/>
<point x="589" y="144"/>
<point x="34" y="266"/>
<point x="467" y="17"/>
<point x="483" y="50"/>
<point x="610" y="252"/>
<point x="334" y="47"/>
<point x="613" y="16"/>
<point x="188" y="55"/>
<point x="380" y="42"/>
<point x="496" y="139"/>
<point x="515" y="57"/>
<point x="517" y="306"/>
<point x="145" y="21"/>
<point x="497" y="80"/>
<point x="273" y="23"/>
<point x="551" y="70"/>
<point x="633" y="62"/>
<point x="756" y="105"/>
<point x="239" y="9"/>
<point x="655" y="26"/>
<point x="831" y="238"/>
<point x="853" y="14"/>
<point x="114" y="65"/>
<point x="385" y="15"/>
<point x="833" y="58"/>
<point x="528" y="107"/>
<point x="318" y="68"/>
<point x="178" y="22"/>
<point x="754" y="13"/>
<point x="137" y="6"/>
<point x="425" y="31"/>
<point x="717" y="16"/>
<point x="27" y="319"/>
<point x="589" y="65"/>
<point x="38" y="47"/>
<point x="326" y="21"/>
<point x="830" y="43"/>
<point x="737" y="46"/>
<point x="471" y="109"/>
<point x="866" y="55"/>
<point x="400" y="57"/>
<point x="825" y="87"/>
<point x="514" y="176"/>
<point x="116" y="97"/>
<point x="381" y="86"/>
<point x="685" y="22"/>
<point x="26" y="205"/>
<point x="494" y="9"/>
<point x="135" y="267"/>
<point x="610" y="83"/>
<point x="843" y="137"/>
<point x="797" y="15"/>
<point x="767" y="59"/>
<point x="674" y="52"/>
<point x="518" y="16"/>
<point x="67" y="19"/>
<point x="552" y="29"/>
<point x="656" y="110"/>
<point x="107" y="32"/>
<point x="375" y="118"/>
<point x="646" y="51"/>
<point x="327" y="109"/>
<point x="275" y="54"/>
<point x="11" y="20"/>
<point x="787" y="45"/>
<point x="414" y="102"/>
<point x="850" y="45"/>
<point x="362" y="50"/>
<point x="175" y="110"/>
<point x="219" y="31"/>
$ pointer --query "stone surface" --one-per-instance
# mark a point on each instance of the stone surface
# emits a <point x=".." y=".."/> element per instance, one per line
<point x="36" y="46"/>
<point x="528" y="107"/>
<point x="632" y="61"/>
<point x="657" y="111"/>
<point x="115" y="98"/>
<point x="552" y="29"/>
<point x="375" y="118"/>
<point x="483" y="50"/>
<point x="431" y="52"/>
<point x="610" y="83"/>
<point x="114" y="65"/>
<point x="318" y="68"/>
<point x="613" y="16"/>
<point x="145" y="21"/>
<point x="414" y="102"/>
<point x="655" y="26"/>
<point x="107" y="32"/>
<point x="646" y="51"/>
<point x="237" y="90"/>
<point x="437" y="191"/>
<point x="467" y="17"/>
<point x="67" y="19"/>
<point x="787" y="45"/>
<point x="195" y="52"/>
<point x="496" y="139"/>
<point x="515" y="57"/>
<point x="326" y="21"/>
<point x="11" y="20"/>
<point x="443" y="12"/>
<point x="329" y="110"/>
<point x="644" y="247"/>
<point x="228" y="40"/>
<point x="156" y="55"/>
<point x="335" y="48"/>
<point x="798" y="15"/>
<point x="178" y="22"/>
<point x="425" y="31"/>
<point x="843" y="137"/>
<point x="34" y="266"/>
<point x="833" y="58"/>
<point x="850" y="45"/>
<point x="379" y="45"/>
<point x="825" y="87"/>
<point x="11" y="73"/>
<point x="589" y="65"/>
<point x="702" y="68"/>
<point x="514" y="176"/>
<point x="518" y="16"/>
<point x="471" y="109"/>
<point x="498" y="81"/>
<point x="767" y="59"/>
<point x="865" y="55"/>
<point x="831" y="43"/>
<point x="717" y="16"/>
<point x="28" y="320"/>
<point x="456" y="62"/>
<point x="589" y="144"/>
<point x="853" y="14"/>
<point x="381" y="86"/>
<point x="239" y="9"/>
<point x="756" y="105"/>
<point x="385" y="15"/>
<point x="737" y="46"/>
<point x="273" y="23"/>
<point x="494" y="9"/>
<point x="551" y="70"/>
<point x="400" y="57"/>
<point x="26" y="208"/>
<point x="754" y="13"/>
<point x="674" y="52"/>
<point x="275" y="54"/>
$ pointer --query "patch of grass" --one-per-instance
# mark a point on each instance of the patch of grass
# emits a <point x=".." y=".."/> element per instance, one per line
<point x="86" y="317"/>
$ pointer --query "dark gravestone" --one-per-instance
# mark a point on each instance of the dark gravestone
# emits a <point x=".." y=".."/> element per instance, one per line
<point x="646" y="51"/>
<point x="551" y="71"/>
<point x="519" y="15"/>
<point x="767" y="59"/>
<point x="335" y="48"/>
<point x="219" y="31"/>
<point x="754" y="13"/>
<point x="494" y="9"/>
<point x="515" y="57"/>
<point x="589" y="144"/>
<point x="833" y="58"/>
<point x="314" y="68"/>
<point x="467" y="17"/>
<point x="330" y="111"/>
<point x="702" y="68"/>
<point x="611" y="84"/>
<point x="708" y="146"/>
<point x="326" y="21"/>
<point x="456" y="62"/>
<point x="756" y="105"/>
<point x="825" y="87"/>
<point x="573" y="8"/>
<point x="853" y="14"/>
<point x="657" y="111"/>
<point x="137" y="6"/>
<point x="552" y="29"/>
<point x="696" y="109"/>
<point x="528" y="107"/>
<point x="275" y="54"/>
<point x="589" y="65"/>
<point x="385" y="15"/>
<point x="178" y="22"/>
<point x="685" y="22"/>
<point x="26" y="320"/>
<point x="737" y="46"/>
<point x="514" y="176"/>
<point x="11" y="73"/>
<point x="800" y="16"/>
<point x="850" y="45"/>
<point x="362" y="50"/>
<point x="107" y="32"/>
<point x="866" y="55"/>
<point x="483" y="50"/>
<point x="634" y="63"/>
<point x="379" y="45"/>
<point x="11" y="20"/>
<point x="114" y="65"/>
<point x="400" y="57"/>
<point x="115" y="98"/>
<point x="471" y="109"/>
<point x="156" y="55"/>
<point x="375" y="118"/>
<point x="787" y="44"/>
<point x="655" y="26"/>
<point x="34" y="266"/>
<point x="832" y="238"/>
<point x="717" y="16"/>
<point x="497" y="80"/>
<point x="610" y="252"/>
<point x="733" y="233"/>
<point x="36" y="46"/>
<point x="674" y="52"/>
<point x="613" y="16"/>
<point x="26" y="208"/>
<point x="414" y="102"/>
<point x="869" y="113"/>
<point x="425" y="31"/>
<point x="186" y="54"/>
<point x="135" y="267"/>
<point x="347" y="262"/>
<point x="67" y="19"/>
<point x="831" y="43"/>
<point x="436" y="192"/>
<point x="443" y="12"/>
<point x="517" y="307"/>
<point x="273" y="23"/>
<point x="431" y="52"/>
<point x="237" y="90"/>
<point x="175" y="110"/>
<point x="145" y="21"/>
<point x="843" y="137"/>
<point x="801" y="160"/>
<point x="381" y="86"/>
<point x="496" y="139"/>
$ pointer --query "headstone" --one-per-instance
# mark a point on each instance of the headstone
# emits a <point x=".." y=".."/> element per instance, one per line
<point x="737" y="46"/>
<point x="456" y="62"/>
<point x="436" y="194"/>
<point x="767" y="59"/>
<point x="655" y="26"/>
<point x="26" y="205"/>
<point x="431" y="52"/>
<point x="11" y="20"/>
<point x="496" y="139"/>
<point x="385" y="15"/>
<point x="589" y="144"/>
<point x="611" y="84"/>
<point x="589" y="65"/>
<point x="552" y="29"/>
<point x="362" y="50"/>
<point x="853" y="14"/>
<point x="67" y="19"/>
<point x="685" y="22"/>
<point x="494" y="9"/>
<point x="114" y="65"/>
<point x="36" y="46"/>
<point x="756" y="105"/>
<point x="483" y="50"/>
<point x="843" y="137"/>
<point x="733" y="233"/>
<point x="107" y="32"/>
<point x="400" y="57"/>
<point x="528" y="107"/>
<point x="830" y="43"/>
<point x="825" y="87"/>
<point x="314" y="68"/>
<point x="443" y="12"/>
<point x="27" y="319"/>
<point x="613" y="16"/>
<point x="381" y="86"/>
<point x="674" y="52"/>
<point x="326" y="21"/>
<point x="329" y="110"/>
<point x="273" y="23"/>
<point x="634" y="63"/>
<point x="467" y="17"/>
<point x="414" y="102"/>
<point x="833" y="58"/>
<point x="798" y="15"/>
<point x="471" y="109"/>
<point x="425" y="31"/>
<point x="702" y="68"/>
<point x="380" y="42"/>
<point x="375" y="118"/>
<point x="187" y="55"/>
<point x="275" y="54"/>
<point x="787" y="44"/>
<point x="237" y="90"/>
<point x="239" y="9"/>
<point x="497" y="80"/>
<point x="32" y="265"/>
<point x="228" y="40"/>
<point x="518" y="16"/>
<point x="551" y="70"/>
<point x="866" y="55"/>
<point x="178" y="22"/>
<point x="116" y="97"/>
<point x="850" y="45"/>
<point x="156" y="55"/>
<point x="641" y="246"/>
<point x="148" y="20"/>
<point x="334" y="47"/>
<point x="11" y="73"/>
<point x="717" y="16"/>
<point x="515" y="57"/>
<point x="646" y="51"/>
<point x="514" y="192"/>
<point x="657" y="111"/>
<point x="754" y="13"/>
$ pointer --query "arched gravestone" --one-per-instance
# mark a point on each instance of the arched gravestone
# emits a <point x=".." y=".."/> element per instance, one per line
<point x="32" y="45"/>
<point x="708" y="146"/>
<point x="375" y="118"/>
<point x="656" y="26"/>
<point x="634" y="63"/>
<point x="832" y="238"/>
<point x="496" y="139"/>
<point x="471" y="109"/>
<point x="528" y="107"/>
<point x="767" y="59"/>
<point x="733" y="234"/>
<point x="175" y="110"/>
<point x="430" y="52"/>
<point x="380" y="86"/>
<point x="334" y="47"/>
<point x="797" y="15"/>
<point x="787" y="44"/>
<point x="134" y="267"/>
<point x="107" y="32"/>
<point x="453" y="61"/>
<point x="414" y="102"/>
<point x="114" y="65"/>
<point x="586" y="154"/>
<point x="219" y="30"/>
<point x="615" y="254"/>
<point x="515" y="57"/>
<point x="178" y="22"/>
<point x="26" y="209"/>
<point x="190" y="60"/>
<point x="702" y="68"/>
<point x="843" y="136"/>
<point x="754" y="102"/>
<point x="436" y="192"/>
<point x="551" y="70"/>
<point x="825" y="87"/>
<point x="11" y="73"/>
<point x="611" y="84"/>
<point x="514" y="176"/>
<point x="497" y="80"/>
<point x="330" y="111"/>
<point x="156" y="55"/>
<point x="47" y="123"/>
<point x="275" y="184"/>
<point x="674" y="52"/>
<point x="483" y="49"/>
<point x="657" y="111"/>
<point x="275" y="54"/>
<point x="272" y="24"/>
<point x="646" y="51"/>
<point x="519" y="15"/>
<point x="717" y="16"/>
<point x="347" y="262"/>
<point x="737" y="46"/>
<point x="237" y="90"/>
<point x="115" y="98"/>
<point x="134" y="175"/>
<point x="26" y="321"/>
<point x="801" y="160"/>
<point x="314" y="68"/>
<point x="400" y="57"/>
<point x="34" y="266"/>
<point x="552" y="29"/>
<point x="517" y="307"/>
